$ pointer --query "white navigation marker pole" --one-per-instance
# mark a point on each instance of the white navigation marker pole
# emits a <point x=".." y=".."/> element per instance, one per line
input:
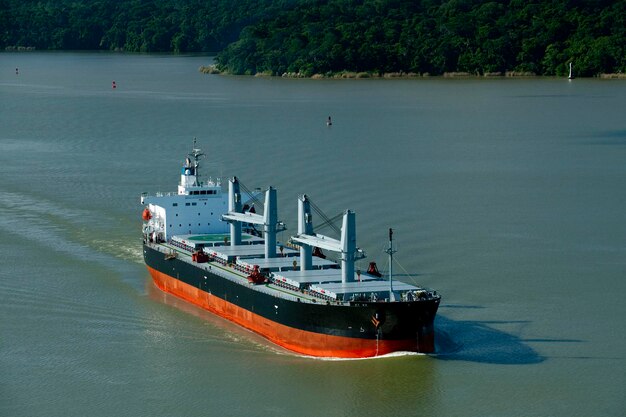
<point x="571" y="76"/>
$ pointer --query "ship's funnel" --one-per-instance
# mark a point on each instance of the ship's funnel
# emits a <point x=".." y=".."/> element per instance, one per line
<point x="187" y="176"/>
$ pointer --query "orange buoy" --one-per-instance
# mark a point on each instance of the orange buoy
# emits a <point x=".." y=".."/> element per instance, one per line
<point x="146" y="215"/>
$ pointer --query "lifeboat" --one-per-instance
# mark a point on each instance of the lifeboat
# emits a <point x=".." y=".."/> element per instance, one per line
<point x="146" y="215"/>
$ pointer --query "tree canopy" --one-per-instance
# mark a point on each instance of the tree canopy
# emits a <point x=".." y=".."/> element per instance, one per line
<point x="329" y="36"/>
<point x="129" y="25"/>
<point x="435" y="36"/>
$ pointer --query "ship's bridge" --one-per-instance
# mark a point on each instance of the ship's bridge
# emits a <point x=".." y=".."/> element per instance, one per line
<point x="190" y="183"/>
<point x="179" y="214"/>
<point x="195" y="208"/>
<point x="210" y="188"/>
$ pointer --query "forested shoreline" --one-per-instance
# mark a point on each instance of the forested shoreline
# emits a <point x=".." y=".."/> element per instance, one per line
<point x="178" y="26"/>
<point x="322" y="38"/>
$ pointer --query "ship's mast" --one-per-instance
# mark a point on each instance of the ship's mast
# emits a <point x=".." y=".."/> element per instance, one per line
<point x="190" y="175"/>
<point x="196" y="153"/>
<point x="390" y="251"/>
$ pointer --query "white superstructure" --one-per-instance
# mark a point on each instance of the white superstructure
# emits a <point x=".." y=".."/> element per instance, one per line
<point x="196" y="208"/>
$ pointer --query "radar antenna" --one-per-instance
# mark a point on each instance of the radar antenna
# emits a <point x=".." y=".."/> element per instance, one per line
<point x="194" y="162"/>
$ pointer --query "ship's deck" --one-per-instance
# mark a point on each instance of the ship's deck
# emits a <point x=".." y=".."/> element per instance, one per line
<point x="322" y="283"/>
<point x="233" y="253"/>
<point x="283" y="263"/>
<point x="212" y="240"/>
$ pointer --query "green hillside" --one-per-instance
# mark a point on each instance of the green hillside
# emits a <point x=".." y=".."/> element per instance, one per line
<point x="474" y="36"/>
<point x="129" y="25"/>
<point x="308" y="37"/>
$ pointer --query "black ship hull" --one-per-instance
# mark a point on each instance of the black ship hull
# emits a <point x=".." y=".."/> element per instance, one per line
<point x="323" y="328"/>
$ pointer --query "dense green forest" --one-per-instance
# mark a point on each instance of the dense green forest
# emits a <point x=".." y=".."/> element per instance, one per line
<point x="310" y="37"/>
<point x="435" y="36"/>
<point x="130" y="25"/>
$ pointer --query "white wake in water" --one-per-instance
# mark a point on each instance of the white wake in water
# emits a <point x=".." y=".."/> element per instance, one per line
<point x="64" y="229"/>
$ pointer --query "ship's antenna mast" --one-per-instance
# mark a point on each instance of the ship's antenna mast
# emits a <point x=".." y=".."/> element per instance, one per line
<point x="390" y="251"/>
<point x="196" y="153"/>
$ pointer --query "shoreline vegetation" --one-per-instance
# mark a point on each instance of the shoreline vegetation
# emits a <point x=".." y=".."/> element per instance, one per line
<point x="339" y="38"/>
<point x="450" y="38"/>
<point x="19" y="48"/>
<point x="213" y="70"/>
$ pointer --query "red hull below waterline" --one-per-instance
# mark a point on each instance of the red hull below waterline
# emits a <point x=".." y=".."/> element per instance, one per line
<point x="297" y="340"/>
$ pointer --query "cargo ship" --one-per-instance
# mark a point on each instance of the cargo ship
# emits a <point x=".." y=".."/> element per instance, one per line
<point x="211" y="248"/>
